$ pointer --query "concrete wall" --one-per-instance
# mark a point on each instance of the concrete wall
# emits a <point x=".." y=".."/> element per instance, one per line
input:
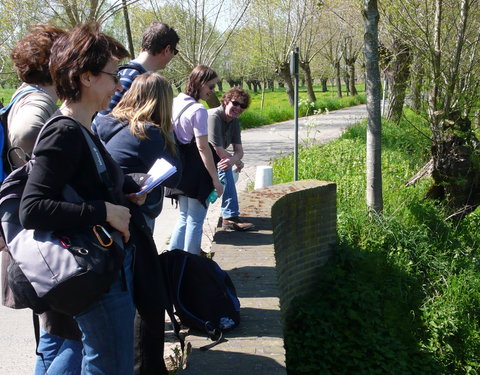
<point x="304" y="231"/>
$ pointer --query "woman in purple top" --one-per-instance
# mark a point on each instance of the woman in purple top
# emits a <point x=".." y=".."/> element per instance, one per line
<point x="200" y="170"/>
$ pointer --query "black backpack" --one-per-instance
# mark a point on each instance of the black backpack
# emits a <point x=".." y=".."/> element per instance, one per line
<point x="202" y="293"/>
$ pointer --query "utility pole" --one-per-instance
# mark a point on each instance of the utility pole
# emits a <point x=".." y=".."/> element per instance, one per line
<point x="294" y="72"/>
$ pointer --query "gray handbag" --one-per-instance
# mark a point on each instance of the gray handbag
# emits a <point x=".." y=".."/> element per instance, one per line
<point x="52" y="270"/>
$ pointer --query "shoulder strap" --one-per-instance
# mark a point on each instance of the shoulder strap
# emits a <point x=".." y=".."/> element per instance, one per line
<point x="97" y="156"/>
<point x="182" y="111"/>
<point x="19" y="95"/>
<point x="131" y="66"/>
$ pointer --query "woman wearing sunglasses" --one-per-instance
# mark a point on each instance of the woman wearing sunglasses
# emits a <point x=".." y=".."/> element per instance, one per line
<point x="199" y="165"/>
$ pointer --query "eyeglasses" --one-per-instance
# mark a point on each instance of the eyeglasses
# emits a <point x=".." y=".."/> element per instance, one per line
<point x="211" y="87"/>
<point x="236" y="104"/>
<point x="175" y="51"/>
<point x="115" y="76"/>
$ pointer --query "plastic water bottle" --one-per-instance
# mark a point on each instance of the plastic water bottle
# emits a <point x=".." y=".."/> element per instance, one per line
<point x="213" y="196"/>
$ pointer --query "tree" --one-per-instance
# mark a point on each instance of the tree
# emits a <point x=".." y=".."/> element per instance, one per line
<point x="205" y="27"/>
<point x="71" y="13"/>
<point x="311" y="42"/>
<point x="443" y="37"/>
<point x="280" y="23"/>
<point x="373" y="89"/>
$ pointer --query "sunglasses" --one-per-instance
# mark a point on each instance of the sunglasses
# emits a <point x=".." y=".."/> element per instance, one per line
<point x="175" y="51"/>
<point x="236" y="104"/>
<point x="115" y="76"/>
<point x="211" y="87"/>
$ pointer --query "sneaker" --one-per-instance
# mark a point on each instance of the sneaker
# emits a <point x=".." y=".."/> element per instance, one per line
<point x="235" y="223"/>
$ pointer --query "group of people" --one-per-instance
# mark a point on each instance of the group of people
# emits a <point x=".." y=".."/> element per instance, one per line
<point x="133" y="119"/>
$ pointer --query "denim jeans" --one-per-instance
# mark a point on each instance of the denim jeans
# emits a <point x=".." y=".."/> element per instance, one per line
<point x="229" y="198"/>
<point x="187" y="234"/>
<point x="60" y="356"/>
<point x="107" y="328"/>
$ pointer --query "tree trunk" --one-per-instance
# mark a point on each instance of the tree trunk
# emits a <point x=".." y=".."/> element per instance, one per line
<point x="305" y="65"/>
<point x="220" y="84"/>
<point x="416" y="88"/>
<point x="324" y="83"/>
<point x="271" y="84"/>
<point x="399" y="76"/>
<point x="178" y="86"/>
<point x="339" y="78"/>
<point x="455" y="147"/>
<point x="213" y="101"/>
<point x="351" y="71"/>
<point x="374" y="124"/>
<point x="284" y="72"/>
<point x="128" y="29"/>
<point x="346" y="79"/>
<point x="249" y="85"/>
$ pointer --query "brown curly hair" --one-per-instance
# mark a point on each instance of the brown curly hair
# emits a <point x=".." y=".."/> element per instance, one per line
<point x="84" y="49"/>
<point x="236" y="92"/>
<point x="32" y="53"/>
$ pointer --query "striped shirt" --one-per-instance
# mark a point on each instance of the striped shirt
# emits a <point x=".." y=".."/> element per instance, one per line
<point x="127" y="75"/>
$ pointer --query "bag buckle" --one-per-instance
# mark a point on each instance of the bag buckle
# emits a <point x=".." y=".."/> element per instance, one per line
<point x="65" y="241"/>
<point x="109" y="240"/>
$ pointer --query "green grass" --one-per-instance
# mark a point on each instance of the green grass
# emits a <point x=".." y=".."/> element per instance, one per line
<point x="5" y="95"/>
<point x="276" y="107"/>
<point x="402" y="293"/>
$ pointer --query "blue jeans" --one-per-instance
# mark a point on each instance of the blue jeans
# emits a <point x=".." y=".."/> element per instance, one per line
<point x="187" y="234"/>
<point x="229" y="198"/>
<point x="60" y="356"/>
<point x="107" y="328"/>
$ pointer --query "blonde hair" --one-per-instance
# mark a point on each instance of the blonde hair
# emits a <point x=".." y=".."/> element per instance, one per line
<point x="148" y="101"/>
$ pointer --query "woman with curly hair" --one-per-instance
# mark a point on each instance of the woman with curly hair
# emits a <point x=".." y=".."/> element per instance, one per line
<point x="60" y="347"/>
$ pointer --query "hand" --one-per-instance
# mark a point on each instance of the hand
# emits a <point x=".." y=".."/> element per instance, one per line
<point x="119" y="218"/>
<point x="137" y="199"/>
<point x="225" y="163"/>
<point x="218" y="187"/>
<point x="239" y="166"/>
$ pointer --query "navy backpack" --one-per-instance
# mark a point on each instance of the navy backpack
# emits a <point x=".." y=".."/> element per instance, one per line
<point x="202" y="293"/>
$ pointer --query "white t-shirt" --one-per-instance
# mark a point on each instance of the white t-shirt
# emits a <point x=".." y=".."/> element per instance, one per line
<point x="193" y="122"/>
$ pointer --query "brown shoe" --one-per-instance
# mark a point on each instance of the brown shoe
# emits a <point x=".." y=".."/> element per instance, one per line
<point x="235" y="223"/>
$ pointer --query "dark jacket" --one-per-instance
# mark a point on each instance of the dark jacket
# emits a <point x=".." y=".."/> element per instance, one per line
<point x="63" y="157"/>
<point x="136" y="155"/>
<point x="196" y="181"/>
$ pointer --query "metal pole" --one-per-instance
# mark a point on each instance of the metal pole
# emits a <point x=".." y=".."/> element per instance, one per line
<point x="294" y="72"/>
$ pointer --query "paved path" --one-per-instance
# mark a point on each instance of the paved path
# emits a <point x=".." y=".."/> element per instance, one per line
<point x="255" y="347"/>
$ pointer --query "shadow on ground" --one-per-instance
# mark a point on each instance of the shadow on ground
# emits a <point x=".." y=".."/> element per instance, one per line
<point x="230" y="363"/>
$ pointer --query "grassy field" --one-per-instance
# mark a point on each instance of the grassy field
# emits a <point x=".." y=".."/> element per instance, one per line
<point x="402" y="293"/>
<point x="276" y="106"/>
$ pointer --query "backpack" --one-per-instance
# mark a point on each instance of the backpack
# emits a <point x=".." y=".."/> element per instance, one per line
<point x="202" y="293"/>
<point x="5" y="166"/>
<point x="63" y="271"/>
